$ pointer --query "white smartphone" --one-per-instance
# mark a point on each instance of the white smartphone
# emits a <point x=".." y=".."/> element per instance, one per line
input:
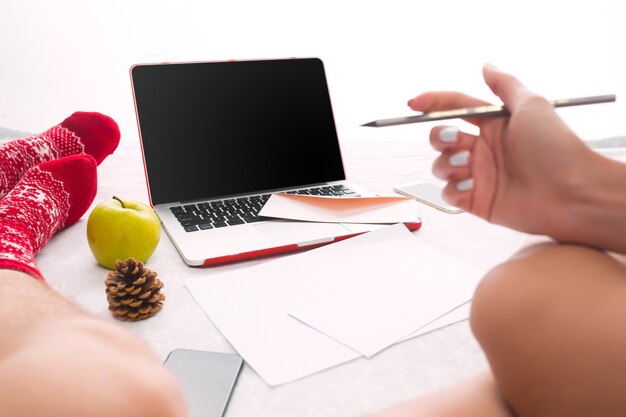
<point x="207" y="379"/>
<point x="427" y="193"/>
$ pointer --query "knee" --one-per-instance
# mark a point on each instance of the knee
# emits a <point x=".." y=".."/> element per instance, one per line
<point x="495" y="307"/>
<point x="514" y="296"/>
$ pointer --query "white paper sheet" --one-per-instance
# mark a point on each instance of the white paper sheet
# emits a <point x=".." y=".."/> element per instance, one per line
<point x="460" y="313"/>
<point x="342" y="209"/>
<point x="397" y="286"/>
<point x="250" y="306"/>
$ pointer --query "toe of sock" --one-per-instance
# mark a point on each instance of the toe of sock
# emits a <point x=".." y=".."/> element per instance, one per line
<point x="79" y="176"/>
<point x="99" y="133"/>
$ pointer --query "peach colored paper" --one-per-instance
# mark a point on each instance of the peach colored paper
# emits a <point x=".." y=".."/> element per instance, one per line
<point x="341" y="209"/>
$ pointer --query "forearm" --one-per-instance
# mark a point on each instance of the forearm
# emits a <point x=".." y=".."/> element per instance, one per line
<point x="25" y="304"/>
<point x="72" y="363"/>
<point x="86" y="367"/>
<point x="478" y="396"/>
<point x="594" y="212"/>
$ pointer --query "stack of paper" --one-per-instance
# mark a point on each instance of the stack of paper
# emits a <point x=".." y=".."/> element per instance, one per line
<point x="300" y="314"/>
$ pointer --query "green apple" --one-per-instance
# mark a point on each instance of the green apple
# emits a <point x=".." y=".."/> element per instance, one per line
<point x="118" y="229"/>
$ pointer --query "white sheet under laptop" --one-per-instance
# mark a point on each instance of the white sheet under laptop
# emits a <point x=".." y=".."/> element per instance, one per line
<point x="207" y="247"/>
<point x="217" y="130"/>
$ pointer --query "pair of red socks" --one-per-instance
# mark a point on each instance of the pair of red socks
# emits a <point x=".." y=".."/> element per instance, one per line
<point x="47" y="182"/>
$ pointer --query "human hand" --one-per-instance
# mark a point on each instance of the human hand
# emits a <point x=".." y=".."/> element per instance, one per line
<point x="520" y="170"/>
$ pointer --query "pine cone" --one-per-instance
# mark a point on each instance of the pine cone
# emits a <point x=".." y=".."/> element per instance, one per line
<point x="133" y="291"/>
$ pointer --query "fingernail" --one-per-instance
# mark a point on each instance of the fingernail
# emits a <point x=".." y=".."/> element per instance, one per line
<point x="408" y="103"/>
<point x="459" y="159"/>
<point x="449" y="134"/>
<point x="465" y="185"/>
<point x="491" y="66"/>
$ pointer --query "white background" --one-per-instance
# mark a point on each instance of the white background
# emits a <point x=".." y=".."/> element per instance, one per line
<point x="63" y="56"/>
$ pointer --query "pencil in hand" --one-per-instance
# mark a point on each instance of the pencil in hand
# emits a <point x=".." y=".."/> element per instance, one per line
<point x="481" y="111"/>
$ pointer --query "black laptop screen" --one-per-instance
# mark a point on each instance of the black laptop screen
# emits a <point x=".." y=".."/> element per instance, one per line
<point x="222" y="128"/>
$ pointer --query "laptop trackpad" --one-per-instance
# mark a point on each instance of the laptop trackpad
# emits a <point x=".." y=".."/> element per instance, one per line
<point x="287" y="232"/>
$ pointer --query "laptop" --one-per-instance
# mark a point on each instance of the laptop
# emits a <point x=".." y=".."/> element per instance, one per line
<point x="218" y="138"/>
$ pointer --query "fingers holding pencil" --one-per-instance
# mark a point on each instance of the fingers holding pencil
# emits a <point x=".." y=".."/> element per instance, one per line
<point x="447" y="102"/>
<point x="445" y="138"/>
<point x="434" y="101"/>
<point x="456" y="152"/>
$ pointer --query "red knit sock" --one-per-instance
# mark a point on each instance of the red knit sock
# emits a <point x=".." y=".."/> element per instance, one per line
<point x="49" y="197"/>
<point x="82" y="133"/>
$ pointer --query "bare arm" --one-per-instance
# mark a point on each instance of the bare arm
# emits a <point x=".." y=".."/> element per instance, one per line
<point x="596" y="212"/>
<point x="57" y="360"/>
<point x="528" y="171"/>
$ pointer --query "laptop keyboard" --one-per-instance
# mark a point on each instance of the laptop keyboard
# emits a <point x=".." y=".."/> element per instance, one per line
<point x="234" y="211"/>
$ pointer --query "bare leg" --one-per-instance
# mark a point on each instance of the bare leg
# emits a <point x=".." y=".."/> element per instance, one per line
<point x="55" y="360"/>
<point x="552" y="322"/>
<point x="477" y="397"/>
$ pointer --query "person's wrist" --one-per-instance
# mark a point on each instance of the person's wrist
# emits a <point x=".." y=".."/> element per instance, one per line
<point x="563" y="190"/>
<point x="592" y="205"/>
